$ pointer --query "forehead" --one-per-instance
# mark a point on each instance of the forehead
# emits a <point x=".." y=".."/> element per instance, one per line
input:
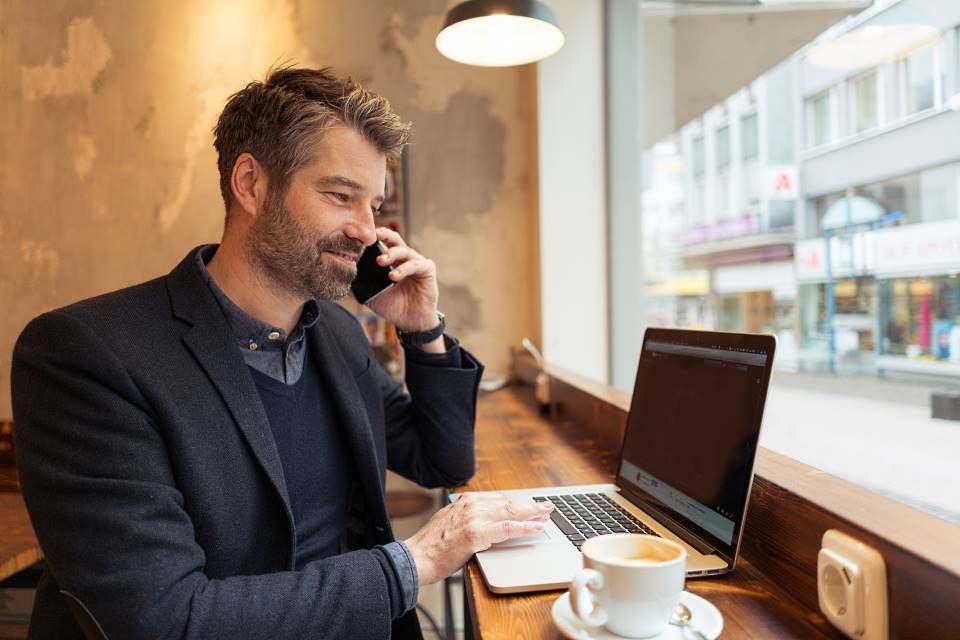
<point x="345" y="151"/>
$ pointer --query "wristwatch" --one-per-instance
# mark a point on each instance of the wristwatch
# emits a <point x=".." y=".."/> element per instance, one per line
<point x="420" y="338"/>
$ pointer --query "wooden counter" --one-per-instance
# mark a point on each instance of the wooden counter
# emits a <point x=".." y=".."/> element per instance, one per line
<point x="18" y="545"/>
<point x="518" y="448"/>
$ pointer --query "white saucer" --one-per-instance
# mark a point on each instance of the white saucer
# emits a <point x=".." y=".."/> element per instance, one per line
<point x="706" y="618"/>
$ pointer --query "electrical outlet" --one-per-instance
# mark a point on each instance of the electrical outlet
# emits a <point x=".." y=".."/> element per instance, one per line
<point x="852" y="586"/>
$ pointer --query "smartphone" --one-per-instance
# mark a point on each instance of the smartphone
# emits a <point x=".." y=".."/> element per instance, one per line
<point x="372" y="279"/>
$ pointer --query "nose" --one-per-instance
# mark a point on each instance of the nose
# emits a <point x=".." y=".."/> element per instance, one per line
<point x="363" y="228"/>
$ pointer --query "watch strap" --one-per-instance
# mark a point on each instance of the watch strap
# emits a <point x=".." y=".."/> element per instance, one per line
<point x="420" y="338"/>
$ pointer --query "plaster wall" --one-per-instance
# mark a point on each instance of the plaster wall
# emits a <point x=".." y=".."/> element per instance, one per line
<point x="108" y="175"/>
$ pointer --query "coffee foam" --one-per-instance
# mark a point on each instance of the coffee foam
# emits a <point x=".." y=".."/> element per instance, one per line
<point x="649" y="553"/>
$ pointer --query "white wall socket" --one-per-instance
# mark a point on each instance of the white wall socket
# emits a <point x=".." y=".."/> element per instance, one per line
<point x="852" y="586"/>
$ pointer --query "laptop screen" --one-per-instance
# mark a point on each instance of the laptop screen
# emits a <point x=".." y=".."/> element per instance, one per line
<point x="693" y="428"/>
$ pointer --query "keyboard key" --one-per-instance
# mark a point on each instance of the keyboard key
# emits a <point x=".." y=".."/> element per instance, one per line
<point x="562" y="522"/>
<point x="575" y="537"/>
<point x="539" y="498"/>
<point x="592" y="534"/>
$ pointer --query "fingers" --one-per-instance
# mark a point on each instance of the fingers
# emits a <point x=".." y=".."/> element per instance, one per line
<point x="390" y="238"/>
<point x="522" y="511"/>
<point x="506" y="529"/>
<point x="406" y="262"/>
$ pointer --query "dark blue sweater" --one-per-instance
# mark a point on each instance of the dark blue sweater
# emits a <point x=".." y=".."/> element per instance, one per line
<point x="316" y="462"/>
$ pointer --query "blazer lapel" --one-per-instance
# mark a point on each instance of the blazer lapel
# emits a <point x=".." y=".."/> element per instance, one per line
<point x="211" y="342"/>
<point x="345" y="395"/>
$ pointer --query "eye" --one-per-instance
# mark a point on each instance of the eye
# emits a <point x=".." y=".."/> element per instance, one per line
<point x="340" y="197"/>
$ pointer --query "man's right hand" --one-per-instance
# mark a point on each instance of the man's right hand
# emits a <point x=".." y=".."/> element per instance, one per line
<point x="471" y="524"/>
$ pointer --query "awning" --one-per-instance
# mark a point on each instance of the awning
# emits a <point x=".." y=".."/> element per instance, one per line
<point x="852" y="210"/>
<point x="685" y="284"/>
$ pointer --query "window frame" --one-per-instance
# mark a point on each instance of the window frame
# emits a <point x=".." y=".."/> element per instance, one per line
<point x="853" y="102"/>
<point x="903" y="81"/>
<point x="827" y="94"/>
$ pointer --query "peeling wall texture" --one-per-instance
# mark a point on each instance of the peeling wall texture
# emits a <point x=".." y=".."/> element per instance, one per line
<point x="108" y="174"/>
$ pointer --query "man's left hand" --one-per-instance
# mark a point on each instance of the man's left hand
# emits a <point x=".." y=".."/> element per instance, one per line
<point x="411" y="304"/>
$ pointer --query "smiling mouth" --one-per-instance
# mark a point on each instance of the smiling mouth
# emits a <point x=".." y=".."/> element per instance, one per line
<point x="350" y="258"/>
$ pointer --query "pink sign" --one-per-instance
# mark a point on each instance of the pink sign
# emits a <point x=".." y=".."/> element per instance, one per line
<point x="731" y="228"/>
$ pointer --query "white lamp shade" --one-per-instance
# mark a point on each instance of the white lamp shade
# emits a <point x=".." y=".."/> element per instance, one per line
<point x="872" y="45"/>
<point x="492" y="33"/>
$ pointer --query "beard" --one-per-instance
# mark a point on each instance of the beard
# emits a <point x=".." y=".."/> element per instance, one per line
<point x="296" y="260"/>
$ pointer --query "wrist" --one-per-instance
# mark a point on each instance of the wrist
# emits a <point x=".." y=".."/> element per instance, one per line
<point x="423" y="565"/>
<point x="431" y="335"/>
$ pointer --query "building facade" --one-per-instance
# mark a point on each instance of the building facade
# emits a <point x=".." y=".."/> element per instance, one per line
<point x="885" y="135"/>
<point x="822" y="202"/>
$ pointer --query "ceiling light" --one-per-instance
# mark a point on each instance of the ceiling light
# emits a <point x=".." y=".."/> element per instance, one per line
<point x="499" y="33"/>
<point x="872" y="45"/>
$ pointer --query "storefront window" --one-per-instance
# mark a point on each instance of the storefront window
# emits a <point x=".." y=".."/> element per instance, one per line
<point x="917" y="81"/>
<point x="922" y="317"/>
<point x="854" y="322"/>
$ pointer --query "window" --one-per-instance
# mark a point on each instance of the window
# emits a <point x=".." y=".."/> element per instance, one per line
<point x="821" y="120"/>
<point x="762" y="177"/>
<point x="723" y="147"/>
<point x="917" y="81"/>
<point x="863" y="102"/>
<point x="697" y="210"/>
<point x="749" y="142"/>
<point x="956" y="61"/>
<point x="921" y="318"/>
<point x="699" y="157"/>
<point x="724" y="179"/>
<point x="750" y="151"/>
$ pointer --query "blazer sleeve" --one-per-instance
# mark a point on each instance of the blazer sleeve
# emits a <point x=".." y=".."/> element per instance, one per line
<point x="430" y="429"/>
<point x="97" y="480"/>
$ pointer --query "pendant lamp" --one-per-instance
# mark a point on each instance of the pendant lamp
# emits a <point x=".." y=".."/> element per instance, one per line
<point x="499" y="33"/>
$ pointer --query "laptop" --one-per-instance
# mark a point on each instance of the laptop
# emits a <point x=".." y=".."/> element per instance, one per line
<point x="685" y="468"/>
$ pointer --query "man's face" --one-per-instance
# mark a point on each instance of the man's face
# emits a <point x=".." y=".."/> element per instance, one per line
<point x="308" y="240"/>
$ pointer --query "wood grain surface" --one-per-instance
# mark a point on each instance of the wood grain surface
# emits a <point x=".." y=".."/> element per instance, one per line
<point x="518" y="448"/>
<point x="18" y="545"/>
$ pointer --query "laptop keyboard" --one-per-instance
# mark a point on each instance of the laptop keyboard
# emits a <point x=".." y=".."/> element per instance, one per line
<point x="586" y="515"/>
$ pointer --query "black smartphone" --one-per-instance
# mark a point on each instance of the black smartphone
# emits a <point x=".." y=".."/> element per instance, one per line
<point x="372" y="279"/>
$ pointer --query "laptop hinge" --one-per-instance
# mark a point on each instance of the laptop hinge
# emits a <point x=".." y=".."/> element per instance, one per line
<point x="688" y="536"/>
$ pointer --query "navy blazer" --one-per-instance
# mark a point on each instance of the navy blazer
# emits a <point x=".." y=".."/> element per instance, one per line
<point x="155" y="488"/>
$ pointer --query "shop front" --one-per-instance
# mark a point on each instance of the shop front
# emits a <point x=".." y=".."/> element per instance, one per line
<point x="681" y="301"/>
<point x="917" y="269"/>
<point x="896" y="298"/>
<point x="759" y="298"/>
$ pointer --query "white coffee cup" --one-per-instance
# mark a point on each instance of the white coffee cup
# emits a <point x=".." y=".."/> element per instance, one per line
<point x="630" y="583"/>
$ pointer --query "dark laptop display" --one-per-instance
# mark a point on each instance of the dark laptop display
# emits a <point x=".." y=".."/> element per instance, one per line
<point x="693" y="429"/>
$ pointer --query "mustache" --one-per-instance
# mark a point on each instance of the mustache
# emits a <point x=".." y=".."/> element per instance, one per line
<point x="342" y="244"/>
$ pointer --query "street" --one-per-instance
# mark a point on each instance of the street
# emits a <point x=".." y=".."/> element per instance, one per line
<point x="876" y="433"/>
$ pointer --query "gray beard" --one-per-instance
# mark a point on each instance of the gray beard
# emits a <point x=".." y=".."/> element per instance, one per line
<point x="295" y="261"/>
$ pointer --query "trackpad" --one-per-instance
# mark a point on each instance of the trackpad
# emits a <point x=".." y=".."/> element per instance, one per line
<point x="522" y="540"/>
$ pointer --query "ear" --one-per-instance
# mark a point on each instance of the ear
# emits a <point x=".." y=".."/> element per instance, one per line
<point x="248" y="182"/>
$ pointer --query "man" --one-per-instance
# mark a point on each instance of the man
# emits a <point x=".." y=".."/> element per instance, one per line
<point x="203" y="455"/>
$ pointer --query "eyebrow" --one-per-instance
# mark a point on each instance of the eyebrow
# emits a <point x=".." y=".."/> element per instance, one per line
<point x="342" y="181"/>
